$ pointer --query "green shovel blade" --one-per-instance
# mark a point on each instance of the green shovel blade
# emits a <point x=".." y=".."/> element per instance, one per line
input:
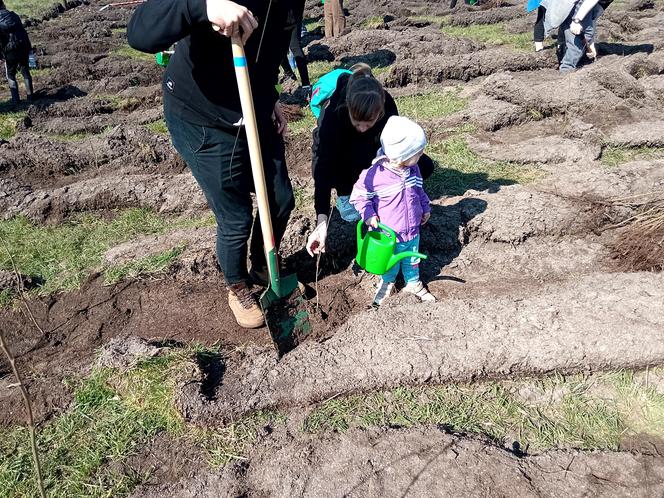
<point x="280" y="287"/>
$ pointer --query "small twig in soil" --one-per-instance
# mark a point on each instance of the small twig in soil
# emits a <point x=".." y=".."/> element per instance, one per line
<point x="28" y="409"/>
<point x="647" y="375"/>
<point x="333" y="397"/>
<point x="318" y="264"/>
<point x="20" y="289"/>
<point x="316" y="282"/>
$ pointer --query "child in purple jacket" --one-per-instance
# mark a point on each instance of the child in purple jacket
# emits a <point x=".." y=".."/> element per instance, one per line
<point x="391" y="192"/>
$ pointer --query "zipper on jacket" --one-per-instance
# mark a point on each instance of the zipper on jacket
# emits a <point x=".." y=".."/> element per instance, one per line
<point x="405" y="194"/>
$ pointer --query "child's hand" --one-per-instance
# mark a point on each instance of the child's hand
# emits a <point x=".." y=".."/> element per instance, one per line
<point x="373" y="221"/>
<point x="425" y="218"/>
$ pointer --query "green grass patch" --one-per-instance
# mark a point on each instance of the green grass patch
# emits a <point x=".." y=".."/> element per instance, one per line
<point x="30" y="8"/>
<point x="435" y="20"/>
<point x="149" y="265"/>
<point x="120" y="103"/>
<point x="615" y="156"/>
<point x="159" y="127"/>
<point x="576" y="411"/>
<point x="492" y="34"/>
<point x="319" y="68"/>
<point x="460" y="169"/>
<point x="113" y="414"/>
<point x="40" y="72"/>
<point x="304" y="125"/>
<point x="6" y="297"/>
<point x="229" y="443"/>
<point x="9" y="122"/>
<point x="311" y="23"/>
<point x="373" y="22"/>
<point x="62" y="256"/>
<point x="72" y="137"/>
<point x="131" y="53"/>
<point x="430" y="105"/>
<point x="303" y="198"/>
<point x="418" y="107"/>
<point x="643" y="409"/>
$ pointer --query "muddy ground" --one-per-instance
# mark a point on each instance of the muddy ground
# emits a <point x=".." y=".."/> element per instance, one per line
<point x="527" y="275"/>
<point x="422" y="462"/>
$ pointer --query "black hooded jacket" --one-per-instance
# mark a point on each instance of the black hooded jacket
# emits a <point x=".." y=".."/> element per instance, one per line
<point x="13" y="37"/>
<point x="340" y="152"/>
<point x="199" y="83"/>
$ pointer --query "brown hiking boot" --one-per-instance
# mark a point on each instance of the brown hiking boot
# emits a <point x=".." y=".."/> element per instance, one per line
<point x="244" y="306"/>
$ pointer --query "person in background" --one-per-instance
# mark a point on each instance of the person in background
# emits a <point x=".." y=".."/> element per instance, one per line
<point x="335" y="20"/>
<point x="204" y="117"/>
<point x="345" y="142"/>
<point x="538" y="29"/>
<point x="573" y="33"/>
<point x="15" y="50"/>
<point x="591" y="31"/>
<point x="297" y="53"/>
<point x="391" y="192"/>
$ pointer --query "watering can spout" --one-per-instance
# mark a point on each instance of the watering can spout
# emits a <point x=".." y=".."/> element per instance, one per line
<point x="402" y="255"/>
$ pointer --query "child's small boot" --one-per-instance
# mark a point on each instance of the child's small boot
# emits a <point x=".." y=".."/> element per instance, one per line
<point x="420" y="291"/>
<point x="383" y="292"/>
<point x="539" y="46"/>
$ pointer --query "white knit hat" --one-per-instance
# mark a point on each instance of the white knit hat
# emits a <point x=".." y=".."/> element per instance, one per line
<point x="402" y="138"/>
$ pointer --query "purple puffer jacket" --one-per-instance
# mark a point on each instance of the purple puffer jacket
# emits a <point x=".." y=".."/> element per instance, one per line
<point x="399" y="201"/>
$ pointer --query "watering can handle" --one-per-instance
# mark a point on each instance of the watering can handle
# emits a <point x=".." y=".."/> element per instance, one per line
<point x="387" y="229"/>
<point x="384" y="228"/>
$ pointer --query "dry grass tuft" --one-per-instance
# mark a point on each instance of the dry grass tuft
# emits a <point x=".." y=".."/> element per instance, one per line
<point x="640" y="242"/>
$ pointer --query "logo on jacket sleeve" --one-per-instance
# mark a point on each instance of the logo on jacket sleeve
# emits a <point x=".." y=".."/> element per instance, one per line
<point x="170" y="84"/>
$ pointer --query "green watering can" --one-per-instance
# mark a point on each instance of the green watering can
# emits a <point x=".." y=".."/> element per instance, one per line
<point x="375" y="251"/>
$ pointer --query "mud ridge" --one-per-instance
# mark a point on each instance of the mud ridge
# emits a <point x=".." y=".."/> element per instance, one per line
<point x="597" y="322"/>
<point x="463" y="67"/>
<point x="426" y="462"/>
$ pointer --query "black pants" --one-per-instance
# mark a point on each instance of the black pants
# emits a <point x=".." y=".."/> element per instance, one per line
<point x="538" y="29"/>
<point x="225" y="177"/>
<point x="300" y="59"/>
<point x="18" y="61"/>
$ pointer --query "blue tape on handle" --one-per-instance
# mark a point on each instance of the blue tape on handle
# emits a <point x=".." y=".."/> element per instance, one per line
<point x="239" y="61"/>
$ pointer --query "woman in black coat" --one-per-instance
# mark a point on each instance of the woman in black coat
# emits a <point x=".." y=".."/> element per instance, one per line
<point x="345" y="142"/>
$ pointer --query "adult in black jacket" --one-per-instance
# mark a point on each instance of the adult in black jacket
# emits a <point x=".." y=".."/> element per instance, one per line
<point x="203" y="113"/>
<point x="345" y="142"/>
<point x="15" y="50"/>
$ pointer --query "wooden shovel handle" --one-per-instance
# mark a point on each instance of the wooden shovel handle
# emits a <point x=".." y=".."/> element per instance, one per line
<point x="251" y="128"/>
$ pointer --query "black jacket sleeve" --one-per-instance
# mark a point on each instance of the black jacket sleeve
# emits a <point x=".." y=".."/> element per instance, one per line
<point x="158" y="24"/>
<point x="323" y="159"/>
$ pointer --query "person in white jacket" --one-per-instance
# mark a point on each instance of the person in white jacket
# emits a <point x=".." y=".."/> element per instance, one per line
<point x="577" y="30"/>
